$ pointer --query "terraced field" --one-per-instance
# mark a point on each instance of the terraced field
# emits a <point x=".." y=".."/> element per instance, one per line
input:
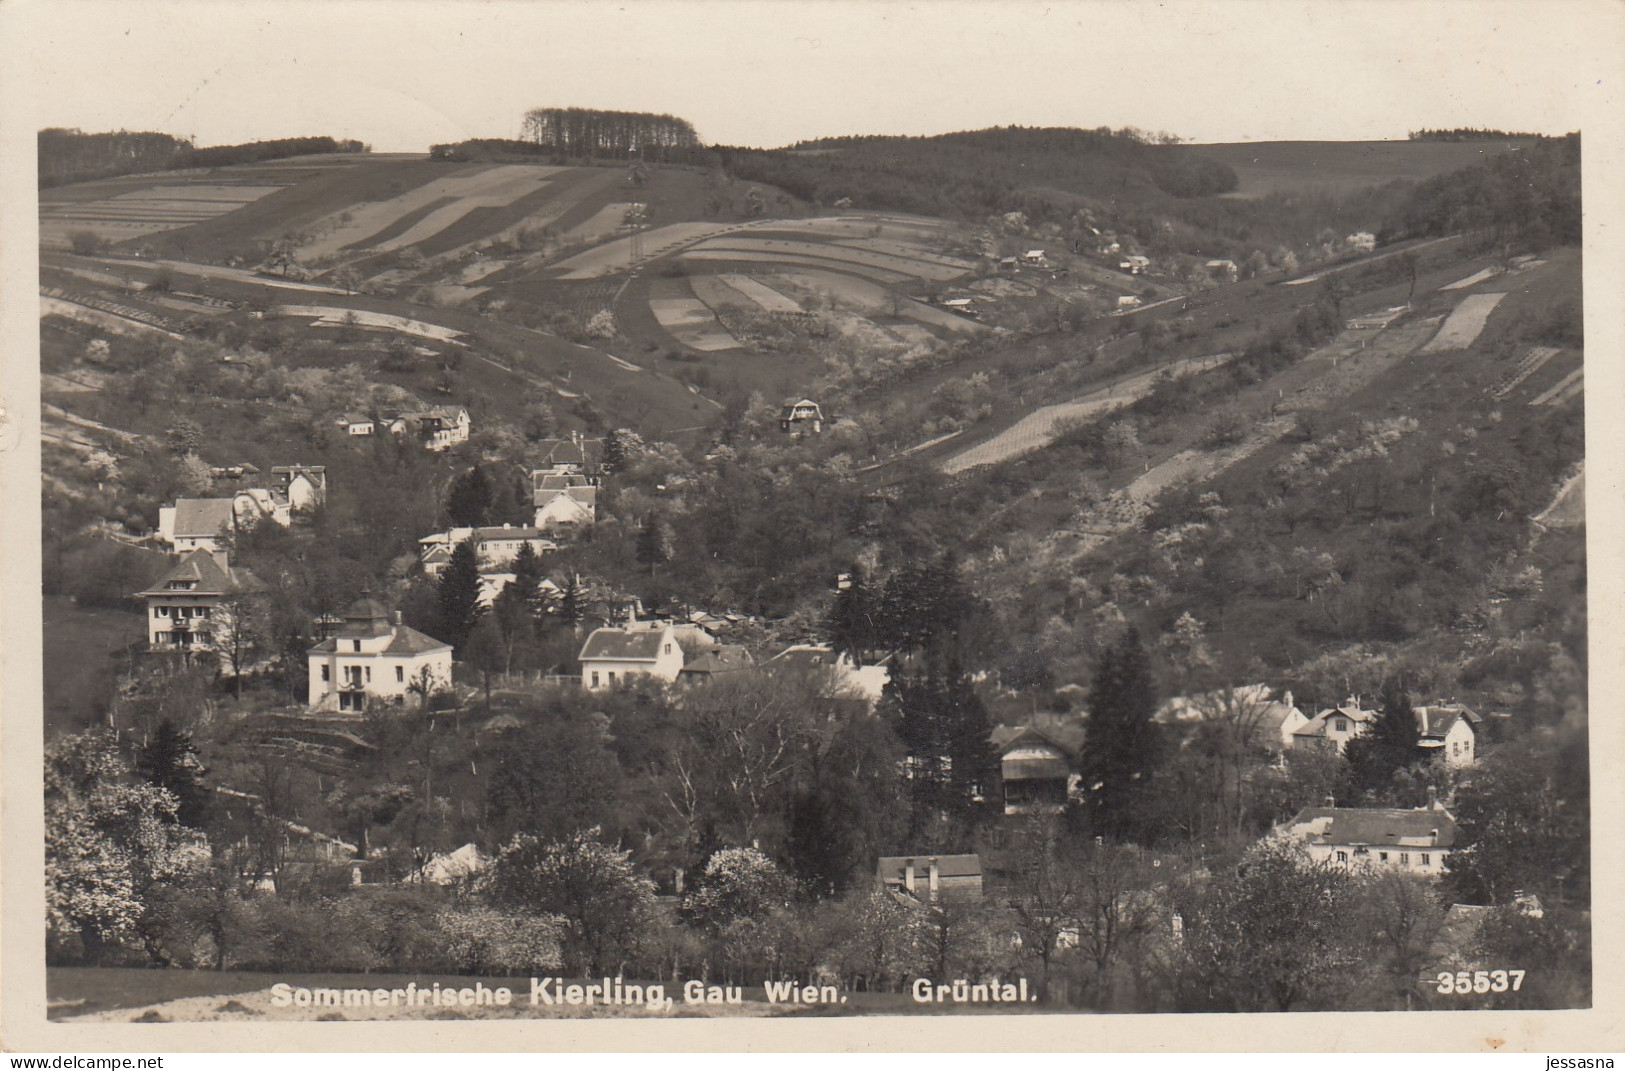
<point x="926" y="266"/>
<point x="143" y="211"/>
<point x="1463" y="326"/>
<point x="432" y="208"/>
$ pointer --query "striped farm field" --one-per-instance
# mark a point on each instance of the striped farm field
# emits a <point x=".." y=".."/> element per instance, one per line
<point x="869" y="298"/>
<point x="842" y="254"/>
<point x="719" y="295"/>
<point x="143" y="211"/>
<point x="760" y="294"/>
<point x="689" y="321"/>
<point x="1463" y="326"/>
<point x="880" y="275"/>
<point x="616" y="256"/>
<point x="458" y="194"/>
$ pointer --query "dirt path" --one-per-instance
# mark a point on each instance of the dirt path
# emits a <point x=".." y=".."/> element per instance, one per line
<point x="1038" y="428"/>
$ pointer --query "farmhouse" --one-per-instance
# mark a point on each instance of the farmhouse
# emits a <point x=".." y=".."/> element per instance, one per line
<point x="373" y="657"/>
<point x="188" y="609"/>
<point x="1034" y="257"/>
<point x="1127" y="301"/>
<point x="614" y="655"/>
<point x="1223" y="269"/>
<point x="1362" y="242"/>
<point x="801" y="418"/>
<point x="1134" y="264"/>
<point x="197" y="524"/>
<point x="1335" y="727"/>
<point x="1415" y="841"/>
<point x="252" y="505"/>
<point x="924" y="879"/>
<point x="1037" y="767"/>
<point x="356" y="424"/>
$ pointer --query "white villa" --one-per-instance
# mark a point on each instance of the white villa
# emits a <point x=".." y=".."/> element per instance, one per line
<point x="372" y="658"/>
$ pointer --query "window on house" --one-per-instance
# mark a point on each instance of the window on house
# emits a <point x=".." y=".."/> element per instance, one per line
<point x="1382" y="857"/>
<point x="1342" y="725"/>
<point x="400" y="674"/>
<point x="357" y="645"/>
<point x="668" y="648"/>
<point x="369" y="674"/>
<point x="160" y="611"/>
<point x="612" y="676"/>
<point x="595" y="678"/>
<point x="1342" y="857"/>
<point x="1404" y="858"/>
<point x="327" y="673"/>
<point x="1427" y="860"/>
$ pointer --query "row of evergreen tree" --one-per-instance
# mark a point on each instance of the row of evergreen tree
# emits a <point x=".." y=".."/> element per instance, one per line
<point x="600" y="133"/>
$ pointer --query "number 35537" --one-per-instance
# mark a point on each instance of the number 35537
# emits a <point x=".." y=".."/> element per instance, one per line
<point x="1479" y="981"/>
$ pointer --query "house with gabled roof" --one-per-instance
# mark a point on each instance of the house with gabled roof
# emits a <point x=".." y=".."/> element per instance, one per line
<point x="1273" y="721"/>
<point x="1416" y="841"/>
<point x="304" y="486"/>
<point x="1448" y="733"/>
<point x="197" y="524"/>
<point x="801" y="417"/>
<point x="574" y="456"/>
<point x="373" y="658"/>
<point x="614" y="656"/>
<point x="1334" y="727"/>
<point x="188" y="608"/>
<point x="1038" y="768"/>
<point x="714" y="662"/>
<point x="565" y="508"/>
<point x="356" y="424"/>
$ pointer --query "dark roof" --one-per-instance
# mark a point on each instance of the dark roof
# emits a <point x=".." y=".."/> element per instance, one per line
<point x="410" y="641"/>
<point x="365" y="617"/>
<point x="890" y="868"/>
<point x="1386" y="827"/>
<point x="724" y="659"/>
<point x="557" y="481"/>
<point x="207" y="575"/>
<point x="507" y="532"/>
<point x="586" y="452"/>
<point x="293" y="470"/>
<point x="1437" y="721"/>
<point x="1066" y="739"/>
<point x="619" y="644"/>
<point x="202" y="516"/>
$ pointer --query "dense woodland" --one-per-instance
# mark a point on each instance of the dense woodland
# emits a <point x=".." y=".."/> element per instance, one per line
<point x="1351" y="560"/>
<point x="73" y="156"/>
<point x="612" y="135"/>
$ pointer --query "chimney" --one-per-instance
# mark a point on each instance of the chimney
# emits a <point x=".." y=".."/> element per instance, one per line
<point x="933" y="879"/>
<point x="395" y="618"/>
<point x="908" y="875"/>
<point x="1433" y="798"/>
<point x="1331" y="801"/>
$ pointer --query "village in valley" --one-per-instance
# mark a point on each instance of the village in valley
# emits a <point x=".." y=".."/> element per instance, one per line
<point x="1121" y="574"/>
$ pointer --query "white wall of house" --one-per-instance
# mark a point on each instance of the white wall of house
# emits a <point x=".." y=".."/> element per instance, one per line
<point x="381" y="676"/>
<point x="1459" y="744"/>
<point x="1424" y="859"/>
<point x="599" y="673"/>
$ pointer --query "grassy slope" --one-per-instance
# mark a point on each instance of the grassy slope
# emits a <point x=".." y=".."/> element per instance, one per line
<point x="1266" y="167"/>
<point x="81" y="645"/>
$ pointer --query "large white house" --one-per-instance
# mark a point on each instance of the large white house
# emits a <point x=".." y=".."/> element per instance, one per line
<point x="373" y="658"/>
<point x="1447" y="731"/>
<point x="612" y="656"/>
<point x="1416" y="841"/>
<point x="188" y="609"/>
<point x="566" y="507"/>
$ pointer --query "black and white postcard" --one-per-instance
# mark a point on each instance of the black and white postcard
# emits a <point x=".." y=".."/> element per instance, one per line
<point x="867" y="524"/>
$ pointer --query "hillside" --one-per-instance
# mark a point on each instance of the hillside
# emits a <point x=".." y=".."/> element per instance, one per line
<point x="1339" y="167"/>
